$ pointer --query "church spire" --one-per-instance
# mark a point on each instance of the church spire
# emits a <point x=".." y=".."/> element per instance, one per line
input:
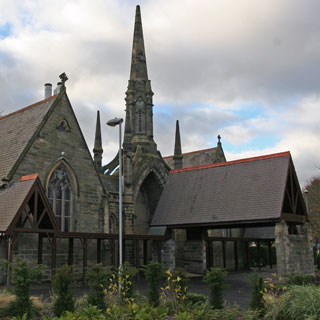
<point x="138" y="62"/>
<point x="177" y="158"/>
<point x="97" y="150"/>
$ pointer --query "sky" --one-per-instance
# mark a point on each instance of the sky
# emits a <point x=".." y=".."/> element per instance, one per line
<point x="247" y="70"/>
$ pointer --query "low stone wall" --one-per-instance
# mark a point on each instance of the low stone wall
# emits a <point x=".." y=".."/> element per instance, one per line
<point x="294" y="252"/>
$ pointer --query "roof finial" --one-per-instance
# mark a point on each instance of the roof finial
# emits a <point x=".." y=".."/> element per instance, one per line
<point x="138" y="62"/>
<point x="63" y="78"/>
<point x="177" y="158"/>
<point x="97" y="150"/>
<point x="219" y="142"/>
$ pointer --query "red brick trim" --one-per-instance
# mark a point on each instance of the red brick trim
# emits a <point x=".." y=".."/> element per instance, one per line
<point x="220" y="164"/>
<point x="29" y="177"/>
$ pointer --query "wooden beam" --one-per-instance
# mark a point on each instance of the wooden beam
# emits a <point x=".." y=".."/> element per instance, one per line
<point x="290" y="217"/>
<point x="137" y="260"/>
<point x="85" y="258"/>
<point x="236" y="260"/>
<point x="224" y="253"/>
<point x="258" y="254"/>
<point x="35" y="208"/>
<point x="159" y="250"/>
<point x="10" y="262"/>
<point x="40" y="241"/>
<point x="247" y="244"/>
<point x="145" y="252"/>
<point x="208" y="254"/>
<point x="98" y="250"/>
<point x="270" y="254"/>
<point x="70" y="252"/>
<point x="54" y="255"/>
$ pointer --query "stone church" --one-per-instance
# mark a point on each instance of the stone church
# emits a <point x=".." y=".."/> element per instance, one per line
<point x="205" y="210"/>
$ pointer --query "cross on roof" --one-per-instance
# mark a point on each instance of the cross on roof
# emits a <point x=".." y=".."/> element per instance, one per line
<point x="63" y="78"/>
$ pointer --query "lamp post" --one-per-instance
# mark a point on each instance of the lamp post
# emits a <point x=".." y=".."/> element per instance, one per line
<point x="112" y="123"/>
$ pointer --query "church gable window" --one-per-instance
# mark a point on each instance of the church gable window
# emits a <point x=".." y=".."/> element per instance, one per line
<point x="63" y="125"/>
<point x="61" y="195"/>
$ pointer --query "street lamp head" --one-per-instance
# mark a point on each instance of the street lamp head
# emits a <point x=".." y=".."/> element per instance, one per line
<point x="306" y="191"/>
<point x="114" y="122"/>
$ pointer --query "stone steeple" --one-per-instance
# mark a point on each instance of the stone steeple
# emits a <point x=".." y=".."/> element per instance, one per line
<point x="97" y="149"/>
<point x="177" y="157"/>
<point x="139" y="113"/>
<point x="138" y="61"/>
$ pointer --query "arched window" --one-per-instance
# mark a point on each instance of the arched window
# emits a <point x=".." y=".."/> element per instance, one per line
<point x="61" y="197"/>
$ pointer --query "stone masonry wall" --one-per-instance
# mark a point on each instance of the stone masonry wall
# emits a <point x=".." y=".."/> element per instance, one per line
<point x="168" y="257"/>
<point x="195" y="256"/>
<point x="294" y="252"/>
<point x="51" y="145"/>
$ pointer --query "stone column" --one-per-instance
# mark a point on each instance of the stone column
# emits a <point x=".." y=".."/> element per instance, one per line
<point x="168" y="254"/>
<point x="195" y="256"/>
<point x="294" y="251"/>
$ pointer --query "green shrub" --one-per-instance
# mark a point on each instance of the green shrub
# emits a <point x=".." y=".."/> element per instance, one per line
<point x="195" y="299"/>
<point x="175" y="290"/>
<point x="98" y="279"/>
<point x="23" y="274"/>
<point x="300" y="279"/>
<point x="298" y="302"/>
<point x="215" y="278"/>
<point x="256" y="302"/>
<point x="63" y="284"/>
<point x="154" y="274"/>
<point x="127" y="280"/>
<point x="88" y="313"/>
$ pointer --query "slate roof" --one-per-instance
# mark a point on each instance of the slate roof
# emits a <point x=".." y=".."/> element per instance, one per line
<point x="11" y="199"/>
<point x="247" y="190"/>
<point x="17" y="129"/>
<point x="195" y="158"/>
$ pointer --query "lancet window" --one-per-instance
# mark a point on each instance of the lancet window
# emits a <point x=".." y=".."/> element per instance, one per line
<point x="61" y="197"/>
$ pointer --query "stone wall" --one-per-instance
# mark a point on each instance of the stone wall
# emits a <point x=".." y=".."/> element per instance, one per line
<point x="168" y="254"/>
<point x="195" y="256"/>
<point x="294" y="252"/>
<point x="52" y="145"/>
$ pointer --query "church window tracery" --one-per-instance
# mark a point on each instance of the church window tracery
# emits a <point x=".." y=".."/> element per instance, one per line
<point x="140" y="120"/>
<point x="61" y="197"/>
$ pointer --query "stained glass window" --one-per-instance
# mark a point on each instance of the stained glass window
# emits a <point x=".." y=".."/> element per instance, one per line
<point x="60" y="195"/>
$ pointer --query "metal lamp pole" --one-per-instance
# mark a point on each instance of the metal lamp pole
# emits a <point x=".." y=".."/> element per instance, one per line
<point x="112" y="123"/>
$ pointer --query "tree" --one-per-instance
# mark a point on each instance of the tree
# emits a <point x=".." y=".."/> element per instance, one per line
<point x="313" y="204"/>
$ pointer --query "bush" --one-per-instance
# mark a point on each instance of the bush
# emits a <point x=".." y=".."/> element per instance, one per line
<point x="88" y="313"/>
<point x="127" y="280"/>
<point x="23" y="273"/>
<point x="256" y="302"/>
<point x="298" y="302"/>
<point x="215" y="278"/>
<point x="98" y="279"/>
<point x="153" y="273"/>
<point x="195" y="299"/>
<point x="63" y="283"/>
<point x="300" y="279"/>
<point x="174" y="293"/>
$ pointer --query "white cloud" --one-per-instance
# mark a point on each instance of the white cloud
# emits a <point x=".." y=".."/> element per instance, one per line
<point x="217" y="55"/>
